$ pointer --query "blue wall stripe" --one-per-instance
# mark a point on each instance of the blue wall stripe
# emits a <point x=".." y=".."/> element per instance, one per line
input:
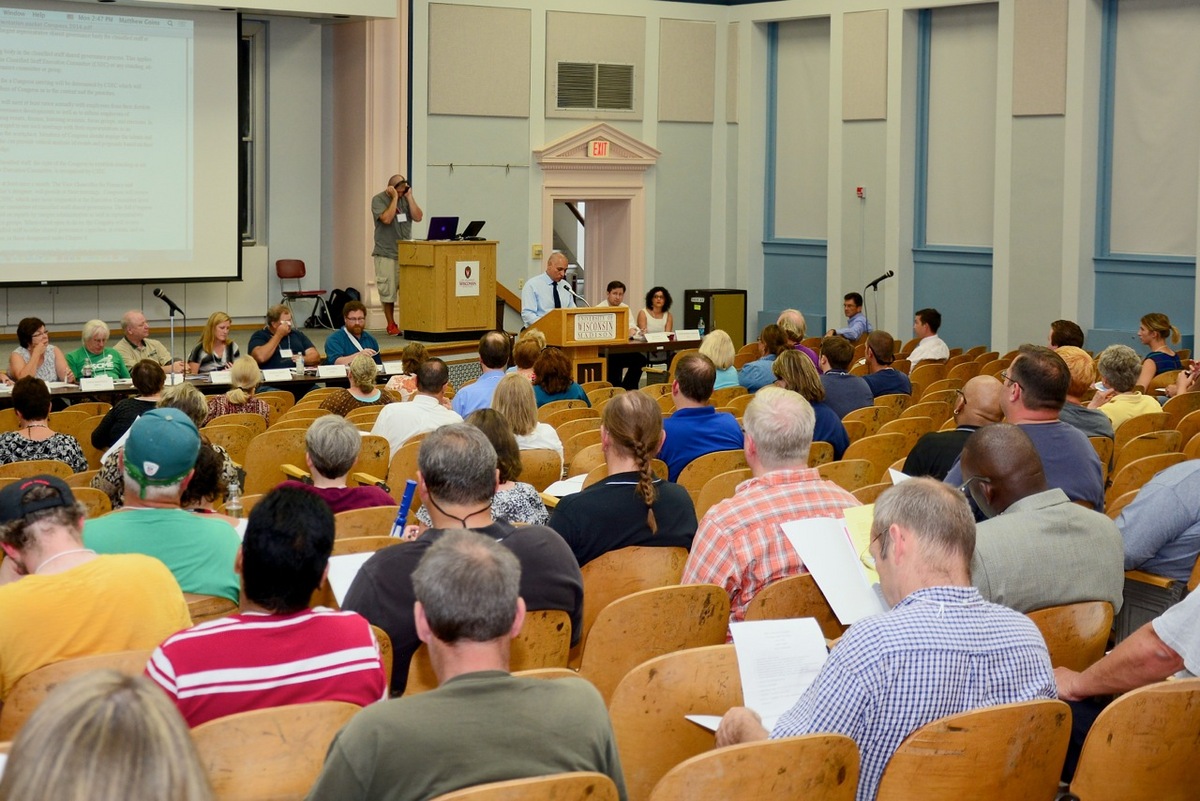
<point x="924" y="26"/>
<point x="772" y="117"/>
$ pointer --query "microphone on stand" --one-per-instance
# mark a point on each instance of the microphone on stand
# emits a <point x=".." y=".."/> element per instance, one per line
<point x="874" y="284"/>
<point x="575" y="294"/>
<point x="172" y="305"/>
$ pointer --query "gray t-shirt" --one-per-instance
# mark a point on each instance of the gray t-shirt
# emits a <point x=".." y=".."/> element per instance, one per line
<point x="386" y="235"/>
<point x="1179" y="628"/>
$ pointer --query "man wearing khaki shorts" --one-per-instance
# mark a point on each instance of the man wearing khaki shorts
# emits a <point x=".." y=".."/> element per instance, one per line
<point x="393" y="210"/>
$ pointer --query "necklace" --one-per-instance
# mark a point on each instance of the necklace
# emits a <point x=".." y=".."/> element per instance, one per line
<point x="28" y="426"/>
<point x="462" y="520"/>
<point x="64" y="553"/>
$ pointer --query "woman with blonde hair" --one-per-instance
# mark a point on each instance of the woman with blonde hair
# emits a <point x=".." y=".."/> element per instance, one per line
<point x="103" y="736"/>
<point x="411" y="358"/>
<point x="362" y="392"/>
<point x="1153" y="332"/>
<point x="515" y="401"/>
<point x="215" y="350"/>
<point x="793" y="370"/>
<point x="631" y="506"/>
<point x="245" y="377"/>
<point x="718" y="346"/>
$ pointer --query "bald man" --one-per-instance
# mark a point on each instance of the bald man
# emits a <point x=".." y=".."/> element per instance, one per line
<point x="1037" y="549"/>
<point x="546" y="292"/>
<point x="977" y="404"/>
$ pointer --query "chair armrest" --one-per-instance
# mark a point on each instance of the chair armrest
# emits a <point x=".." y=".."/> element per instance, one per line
<point x="291" y="471"/>
<point x="1150" y="578"/>
<point x="549" y="500"/>
<point x="368" y="480"/>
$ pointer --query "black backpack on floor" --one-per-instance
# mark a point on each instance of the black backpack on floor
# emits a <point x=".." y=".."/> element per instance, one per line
<point x="337" y="301"/>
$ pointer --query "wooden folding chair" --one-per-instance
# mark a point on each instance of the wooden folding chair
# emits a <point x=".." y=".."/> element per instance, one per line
<point x="1114" y="507"/>
<point x="299" y="415"/>
<point x="795" y="596"/>
<point x="880" y="450"/>
<point x="1150" y="444"/>
<point x="250" y="420"/>
<point x="1138" y="472"/>
<point x="896" y="402"/>
<point x="965" y="371"/>
<point x="364" y="414"/>
<point x="602" y="394"/>
<point x="1181" y="406"/>
<point x="849" y="474"/>
<point x="1015" y="751"/>
<point x="81" y="429"/>
<point x="987" y="356"/>
<point x="656" y="390"/>
<point x="573" y="428"/>
<point x="35" y="467"/>
<point x="720" y="487"/>
<point x="279" y="402"/>
<point x="1136" y="426"/>
<point x="872" y="417"/>
<point x="588" y="386"/>
<point x="269" y="753"/>
<point x="94" y="501"/>
<point x="871" y="492"/>
<point x="927" y="372"/>
<point x="976" y="351"/>
<point x="544" y="642"/>
<point x="372" y="521"/>
<point x="585" y="460"/>
<point x="578" y="442"/>
<point x="548" y="410"/>
<point x="83" y="479"/>
<point x="401" y="468"/>
<point x="941" y="386"/>
<point x="650" y="623"/>
<point x="1104" y="450"/>
<point x="739" y="404"/>
<point x="1142" y="747"/>
<point x="566" y="415"/>
<point x="820" y="453"/>
<point x="815" y="767"/>
<point x="266" y="453"/>
<point x="30" y="690"/>
<point x="911" y="428"/>
<point x="235" y="439"/>
<point x="995" y="367"/>
<point x="721" y="397"/>
<point x="557" y="787"/>
<point x="648" y="708"/>
<point x="208" y="607"/>
<point x="540" y="467"/>
<point x="855" y="430"/>
<point x="698" y="471"/>
<point x="374" y="457"/>
<point x="1075" y="634"/>
<point x="937" y="411"/>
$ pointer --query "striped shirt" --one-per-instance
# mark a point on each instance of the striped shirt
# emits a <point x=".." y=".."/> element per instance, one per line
<point x="254" y="660"/>
<point x="740" y="546"/>
<point x="940" y="651"/>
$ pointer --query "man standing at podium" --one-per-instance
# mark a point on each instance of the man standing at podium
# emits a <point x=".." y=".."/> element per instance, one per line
<point x="546" y="292"/>
<point x="393" y="210"/>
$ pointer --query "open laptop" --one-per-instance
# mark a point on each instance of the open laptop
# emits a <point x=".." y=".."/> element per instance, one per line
<point x="441" y="228"/>
<point x="471" y="232"/>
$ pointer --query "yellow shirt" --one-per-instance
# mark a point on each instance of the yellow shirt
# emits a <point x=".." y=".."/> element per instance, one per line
<point x="111" y="603"/>
<point x="1124" y="407"/>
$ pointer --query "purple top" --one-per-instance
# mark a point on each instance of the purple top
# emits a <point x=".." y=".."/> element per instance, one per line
<point x="810" y="353"/>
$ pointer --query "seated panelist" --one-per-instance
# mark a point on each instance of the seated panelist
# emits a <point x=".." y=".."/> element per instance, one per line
<point x="276" y="345"/>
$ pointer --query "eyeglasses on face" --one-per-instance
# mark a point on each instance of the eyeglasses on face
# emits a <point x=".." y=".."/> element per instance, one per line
<point x="965" y="487"/>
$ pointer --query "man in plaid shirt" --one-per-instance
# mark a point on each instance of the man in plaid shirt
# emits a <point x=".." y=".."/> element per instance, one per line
<point x="739" y="545"/>
<point x="941" y="650"/>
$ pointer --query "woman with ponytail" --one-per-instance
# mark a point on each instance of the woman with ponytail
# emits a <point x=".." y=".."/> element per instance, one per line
<point x="1153" y="333"/>
<point x="245" y="377"/>
<point x="631" y="506"/>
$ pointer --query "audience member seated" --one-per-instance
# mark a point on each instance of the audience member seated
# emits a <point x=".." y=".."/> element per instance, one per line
<point x="794" y="371"/>
<point x="527" y="348"/>
<point x="1035" y="388"/>
<point x="209" y="486"/>
<point x="791" y="322"/>
<point x="1186" y="381"/>
<point x="940" y="650"/>
<point x="624" y="369"/>
<point x="739" y="545"/>
<point x="457" y="481"/>
<point x="881" y="377"/>
<point x="978" y="404"/>
<point x="1092" y="422"/>
<point x="33" y="438"/>
<point x="554" y="381"/>
<point x="1036" y="549"/>
<point x="35" y="357"/>
<point x="275" y="651"/>
<point x="148" y="379"/>
<point x="1167" y="646"/>
<point x="105" y="737"/>
<point x="331" y="447"/>
<point x="245" y="378"/>
<point x="276" y="345"/>
<point x="1153" y="332"/>
<point x="856" y="322"/>
<point x="718" y="347"/>
<point x="95" y="359"/>
<point x="352" y="338"/>
<point x="157" y="464"/>
<point x="136" y="345"/>
<point x="926" y="323"/>
<point x="757" y="374"/>
<point x="362" y="391"/>
<point x="1120" y="400"/>
<point x="185" y="397"/>
<point x="1065" y="333"/>
<point x="62" y="601"/>
<point x="399" y="422"/>
<point x="514" y="501"/>
<point x="412" y="357"/>
<point x="514" y="399"/>
<point x="493" y="359"/>
<point x="481" y="724"/>
<point x="215" y="351"/>
<point x="844" y="392"/>
<point x="1161" y="527"/>
<point x="695" y="428"/>
<point x="631" y="506"/>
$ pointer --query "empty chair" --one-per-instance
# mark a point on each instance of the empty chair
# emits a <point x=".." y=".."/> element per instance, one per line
<point x="849" y="474"/>
<point x="1075" y="634"/>
<point x="235" y="439"/>
<point x="698" y="471"/>
<point x="912" y="429"/>
<point x="1139" y="471"/>
<point x="267" y="452"/>
<point x="872" y="417"/>
<point x="1149" y="444"/>
<point x="372" y="521"/>
<point x="821" y="452"/>
<point x="1136" y="426"/>
<point x="720" y="487"/>
<point x="556" y="787"/>
<point x="880" y="450"/>
<point x="795" y="596"/>
<point x="294" y="270"/>
<point x="896" y="402"/>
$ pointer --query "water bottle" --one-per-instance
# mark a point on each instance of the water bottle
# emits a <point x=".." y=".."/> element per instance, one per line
<point x="299" y="363"/>
<point x="233" y="502"/>
<point x="86" y="372"/>
<point x="700" y="327"/>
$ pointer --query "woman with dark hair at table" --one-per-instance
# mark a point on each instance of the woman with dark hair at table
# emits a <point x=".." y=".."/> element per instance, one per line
<point x="35" y="356"/>
<point x="148" y="379"/>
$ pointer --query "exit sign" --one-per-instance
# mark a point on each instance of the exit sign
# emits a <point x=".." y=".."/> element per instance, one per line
<point x="598" y="149"/>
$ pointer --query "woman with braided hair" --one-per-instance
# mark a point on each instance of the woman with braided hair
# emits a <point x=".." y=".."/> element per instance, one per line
<point x="631" y="506"/>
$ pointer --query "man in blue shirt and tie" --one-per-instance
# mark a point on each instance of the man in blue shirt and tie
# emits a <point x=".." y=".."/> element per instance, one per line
<point x="547" y="291"/>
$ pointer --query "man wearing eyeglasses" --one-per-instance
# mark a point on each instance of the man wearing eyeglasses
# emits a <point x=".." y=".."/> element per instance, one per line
<point x="393" y="211"/>
<point x="352" y="338"/>
<point x="977" y="404"/>
<point x="1035" y="389"/>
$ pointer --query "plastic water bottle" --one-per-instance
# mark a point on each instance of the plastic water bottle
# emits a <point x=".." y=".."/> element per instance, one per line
<point x="299" y="358"/>
<point x="233" y="502"/>
<point x="86" y="372"/>
<point x="700" y="327"/>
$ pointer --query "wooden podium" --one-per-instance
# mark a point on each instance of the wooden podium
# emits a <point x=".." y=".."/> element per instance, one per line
<point x="447" y="289"/>
<point x="582" y="332"/>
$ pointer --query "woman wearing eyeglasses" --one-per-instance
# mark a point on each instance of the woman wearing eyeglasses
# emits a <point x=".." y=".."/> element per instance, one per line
<point x="35" y="356"/>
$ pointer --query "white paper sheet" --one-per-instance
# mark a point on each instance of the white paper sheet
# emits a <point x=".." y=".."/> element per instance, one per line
<point x="278" y="374"/>
<point x="778" y="660"/>
<point x="342" y="570"/>
<point x="825" y="547"/>
<point x="567" y="486"/>
<point x="898" y="477"/>
<point x="331" y="371"/>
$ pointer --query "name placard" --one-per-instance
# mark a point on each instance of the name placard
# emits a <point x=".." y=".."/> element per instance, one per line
<point x="393" y="368"/>
<point x="596" y="326"/>
<point x="277" y="374"/>
<point x="220" y="377"/>
<point x="99" y="383"/>
<point x="331" y="371"/>
<point x="660" y="336"/>
<point x="687" y="335"/>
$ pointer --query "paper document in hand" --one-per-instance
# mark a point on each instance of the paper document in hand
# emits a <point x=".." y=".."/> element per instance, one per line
<point x="778" y="660"/>
<point x="342" y="570"/>
<point x="825" y="548"/>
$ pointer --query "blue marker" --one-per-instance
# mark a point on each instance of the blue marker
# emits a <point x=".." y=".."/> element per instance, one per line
<point x="410" y="488"/>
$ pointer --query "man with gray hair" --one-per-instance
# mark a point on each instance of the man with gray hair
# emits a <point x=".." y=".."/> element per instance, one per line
<point x="157" y="465"/>
<point x="137" y="345"/>
<point x="740" y="545"/>
<point x="331" y="447"/>
<point x="457" y="477"/>
<point x="481" y="724"/>
<point x="941" y="649"/>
